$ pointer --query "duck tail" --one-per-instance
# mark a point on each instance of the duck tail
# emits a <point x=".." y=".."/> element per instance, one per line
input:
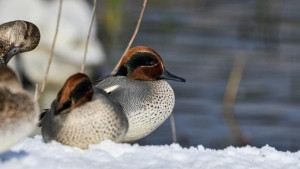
<point x="41" y="117"/>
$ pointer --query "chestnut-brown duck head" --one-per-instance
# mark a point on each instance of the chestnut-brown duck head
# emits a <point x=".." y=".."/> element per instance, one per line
<point x="76" y="91"/>
<point x="143" y="63"/>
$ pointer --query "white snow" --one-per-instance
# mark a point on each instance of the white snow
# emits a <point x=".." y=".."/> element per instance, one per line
<point x="33" y="153"/>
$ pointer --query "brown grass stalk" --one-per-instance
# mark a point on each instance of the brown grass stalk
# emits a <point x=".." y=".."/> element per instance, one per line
<point x="88" y="36"/>
<point x="133" y="36"/>
<point x="173" y="128"/>
<point x="229" y="101"/>
<point x="41" y="87"/>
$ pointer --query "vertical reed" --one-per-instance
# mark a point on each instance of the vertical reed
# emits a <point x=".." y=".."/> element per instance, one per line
<point x="88" y="36"/>
<point x="41" y="87"/>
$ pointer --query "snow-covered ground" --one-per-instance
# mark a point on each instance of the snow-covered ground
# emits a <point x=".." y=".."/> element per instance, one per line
<point x="35" y="154"/>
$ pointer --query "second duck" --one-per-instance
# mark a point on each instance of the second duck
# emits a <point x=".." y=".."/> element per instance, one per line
<point x="81" y="115"/>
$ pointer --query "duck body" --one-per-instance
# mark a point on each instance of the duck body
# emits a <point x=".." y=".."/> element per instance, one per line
<point x="18" y="110"/>
<point x="88" y="123"/>
<point x="147" y="104"/>
<point x="138" y="85"/>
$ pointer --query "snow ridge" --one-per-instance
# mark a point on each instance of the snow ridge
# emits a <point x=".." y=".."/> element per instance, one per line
<point x="33" y="153"/>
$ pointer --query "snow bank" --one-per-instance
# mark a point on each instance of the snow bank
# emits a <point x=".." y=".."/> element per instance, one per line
<point x="35" y="154"/>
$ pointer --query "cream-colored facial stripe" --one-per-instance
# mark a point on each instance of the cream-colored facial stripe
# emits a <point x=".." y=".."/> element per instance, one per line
<point x="8" y="34"/>
<point x="112" y="88"/>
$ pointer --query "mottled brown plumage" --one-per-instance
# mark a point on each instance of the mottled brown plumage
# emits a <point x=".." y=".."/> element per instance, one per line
<point x="17" y="37"/>
<point x="18" y="110"/>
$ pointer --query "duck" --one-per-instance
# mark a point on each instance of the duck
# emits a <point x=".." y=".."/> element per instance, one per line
<point x="17" y="37"/>
<point x="82" y="115"/>
<point x="18" y="110"/>
<point x="139" y="85"/>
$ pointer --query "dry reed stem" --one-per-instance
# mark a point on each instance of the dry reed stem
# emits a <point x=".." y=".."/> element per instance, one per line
<point x="234" y="80"/>
<point x="230" y="98"/>
<point x="132" y="38"/>
<point x="42" y="86"/>
<point x="36" y="92"/>
<point x="88" y="36"/>
<point x="173" y="128"/>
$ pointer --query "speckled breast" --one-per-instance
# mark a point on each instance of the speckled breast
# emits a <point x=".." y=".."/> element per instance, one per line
<point x="90" y="123"/>
<point x="147" y="104"/>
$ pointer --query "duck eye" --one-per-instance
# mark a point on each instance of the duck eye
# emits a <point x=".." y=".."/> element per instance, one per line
<point x="150" y="63"/>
